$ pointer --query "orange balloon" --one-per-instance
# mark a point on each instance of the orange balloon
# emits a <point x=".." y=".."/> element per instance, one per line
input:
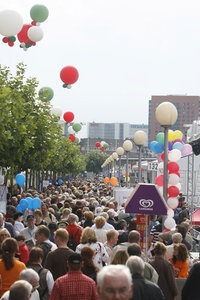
<point x="106" y="180"/>
<point x="113" y="181"/>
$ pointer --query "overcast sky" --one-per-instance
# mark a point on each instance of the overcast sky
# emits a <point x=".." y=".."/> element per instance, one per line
<point x="125" y="52"/>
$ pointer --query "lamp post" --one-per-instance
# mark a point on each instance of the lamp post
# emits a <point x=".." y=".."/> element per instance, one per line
<point x="120" y="152"/>
<point x="166" y="115"/>
<point x="140" y="139"/>
<point x="114" y="156"/>
<point x="127" y="145"/>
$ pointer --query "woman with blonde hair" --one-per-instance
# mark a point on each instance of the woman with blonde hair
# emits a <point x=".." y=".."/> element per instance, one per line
<point x="120" y="257"/>
<point x="10" y="267"/>
<point x="88" y="238"/>
<point x="100" y="232"/>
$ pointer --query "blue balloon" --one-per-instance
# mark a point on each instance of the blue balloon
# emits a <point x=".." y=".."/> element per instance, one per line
<point x="152" y="145"/>
<point x="19" y="208"/>
<point x="30" y="200"/>
<point x="60" y="181"/>
<point x="36" y="203"/>
<point x="20" y="179"/>
<point x="159" y="148"/>
<point x="23" y="203"/>
<point x="178" y="146"/>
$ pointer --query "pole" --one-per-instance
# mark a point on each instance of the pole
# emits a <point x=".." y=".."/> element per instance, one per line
<point x="165" y="172"/>
<point x="119" y="170"/>
<point x="126" y="168"/>
<point x="139" y="165"/>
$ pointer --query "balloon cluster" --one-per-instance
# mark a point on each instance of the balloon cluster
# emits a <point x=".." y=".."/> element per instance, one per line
<point x="11" y="24"/>
<point x="69" y="75"/>
<point x="72" y="129"/>
<point x="176" y="149"/>
<point x="102" y="145"/>
<point x="28" y="203"/>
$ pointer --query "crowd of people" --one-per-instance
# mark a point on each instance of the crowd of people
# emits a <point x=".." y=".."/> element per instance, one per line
<point x="81" y="245"/>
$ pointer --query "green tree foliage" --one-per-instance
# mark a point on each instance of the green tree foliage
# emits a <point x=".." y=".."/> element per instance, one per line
<point x="94" y="161"/>
<point x="30" y="135"/>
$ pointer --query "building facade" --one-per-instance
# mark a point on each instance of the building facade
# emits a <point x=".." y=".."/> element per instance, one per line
<point x="188" y="108"/>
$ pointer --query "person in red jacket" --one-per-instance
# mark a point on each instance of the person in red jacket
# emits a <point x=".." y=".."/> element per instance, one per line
<point x="23" y="248"/>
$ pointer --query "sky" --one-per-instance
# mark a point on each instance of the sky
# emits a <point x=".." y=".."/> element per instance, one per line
<point x="124" y="50"/>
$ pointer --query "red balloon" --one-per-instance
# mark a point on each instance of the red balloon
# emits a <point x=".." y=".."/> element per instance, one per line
<point x="98" y="144"/>
<point x="173" y="191"/>
<point x="11" y="44"/>
<point x="5" y="39"/>
<point x="160" y="180"/>
<point x="23" y="34"/>
<point x="72" y="138"/>
<point x="102" y="148"/>
<point x="172" y="167"/>
<point x="69" y="75"/>
<point x="68" y="116"/>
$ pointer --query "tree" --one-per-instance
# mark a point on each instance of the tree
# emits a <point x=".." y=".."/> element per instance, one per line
<point x="94" y="161"/>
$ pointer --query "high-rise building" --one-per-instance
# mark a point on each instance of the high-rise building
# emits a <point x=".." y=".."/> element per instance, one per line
<point x="188" y="108"/>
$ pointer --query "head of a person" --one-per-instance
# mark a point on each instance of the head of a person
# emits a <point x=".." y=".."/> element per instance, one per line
<point x="136" y="266"/>
<point x="20" y="290"/>
<point x="159" y="249"/>
<point x="42" y="233"/>
<point x="111" y="213"/>
<point x="134" y="236"/>
<point x="105" y="215"/>
<point x="61" y="236"/>
<point x="132" y="225"/>
<point x="31" y="276"/>
<point x="88" y="215"/>
<point x="180" y="252"/>
<point x="100" y="222"/>
<point x="20" y="238"/>
<point x="112" y="236"/>
<point x="114" y="282"/>
<point x="36" y="255"/>
<point x="37" y="214"/>
<point x="87" y="254"/>
<point x="30" y="221"/>
<point x="88" y="236"/>
<point x="182" y="230"/>
<point x="4" y="234"/>
<point x="72" y="218"/>
<point x="134" y="249"/>
<point x="177" y="238"/>
<point x="9" y="246"/>
<point x="120" y="257"/>
<point x="74" y="262"/>
<point x="122" y="225"/>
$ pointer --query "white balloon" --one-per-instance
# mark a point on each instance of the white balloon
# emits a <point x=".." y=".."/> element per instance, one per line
<point x="11" y="22"/>
<point x="178" y="186"/>
<point x="169" y="223"/>
<point x="161" y="167"/>
<point x="173" y="179"/>
<point x="1" y="179"/>
<point x="170" y="212"/>
<point x="172" y="202"/>
<point x="160" y="189"/>
<point x="174" y="155"/>
<point x="71" y="130"/>
<point x="35" y="33"/>
<point x="57" y="111"/>
<point x="102" y="143"/>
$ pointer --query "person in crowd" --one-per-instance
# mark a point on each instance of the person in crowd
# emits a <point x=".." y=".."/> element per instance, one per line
<point x="88" y="267"/>
<point x="120" y="257"/>
<point x="154" y="235"/>
<point x="7" y="225"/>
<point x="179" y="261"/>
<point x="107" y="226"/>
<point x="4" y="234"/>
<point x="149" y="271"/>
<point x="33" y="278"/>
<point x="88" y="219"/>
<point x="42" y="235"/>
<point x="75" y="284"/>
<point x="191" y="288"/>
<point x="166" y="279"/>
<point x="143" y="288"/>
<point x="38" y="218"/>
<point x="112" y="214"/>
<point x="46" y="280"/>
<point x="114" y="282"/>
<point x="56" y="260"/>
<point x="46" y="215"/>
<point x="88" y="238"/>
<point x="20" y="290"/>
<point x="18" y="225"/>
<point x="176" y="239"/>
<point x="29" y="231"/>
<point x="23" y="248"/>
<point x="100" y="232"/>
<point x="73" y="229"/>
<point x="112" y="238"/>
<point x="123" y="232"/>
<point x="65" y="214"/>
<point x="183" y="214"/>
<point x="10" y="267"/>
<point x="52" y="228"/>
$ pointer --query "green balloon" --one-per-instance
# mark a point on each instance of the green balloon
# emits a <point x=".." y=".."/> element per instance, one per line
<point x="77" y="140"/>
<point x="12" y="38"/>
<point x="76" y="127"/>
<point x="39" y="13"/>
<point x="46" y="93"/>
<point x="105" y="145"/>
<point x="160" y="137"/>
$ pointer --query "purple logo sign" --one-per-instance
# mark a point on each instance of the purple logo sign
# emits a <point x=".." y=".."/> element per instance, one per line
<point x="146" y="199"/>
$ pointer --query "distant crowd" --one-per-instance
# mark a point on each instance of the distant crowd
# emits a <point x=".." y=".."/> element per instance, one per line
<point x="80" y="244"/>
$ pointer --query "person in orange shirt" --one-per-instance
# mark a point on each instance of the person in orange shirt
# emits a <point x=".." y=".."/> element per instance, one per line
<point x="10" y="267"/>
<point x="179" y="261"/>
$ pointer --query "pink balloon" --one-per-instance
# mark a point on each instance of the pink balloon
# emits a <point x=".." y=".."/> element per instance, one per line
<point x="186" y="150"/>
<point x="160" y="180"/>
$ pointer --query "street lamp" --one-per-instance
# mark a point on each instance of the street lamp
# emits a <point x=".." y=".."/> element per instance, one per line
<point x="120" y="152"/>
<point x="140" y="139"/>
<point x="115" y="157"/>
<point x="127" y="145"/>
<point x="166" y="115"/>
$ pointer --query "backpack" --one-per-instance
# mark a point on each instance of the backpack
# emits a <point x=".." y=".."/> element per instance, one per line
<point x="72" y="243"/>
<point x="46" y="247"/>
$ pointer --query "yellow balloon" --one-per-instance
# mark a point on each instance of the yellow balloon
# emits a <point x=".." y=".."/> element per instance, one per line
<point x="178" y="134"/>
<point x="170" y="135"/>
